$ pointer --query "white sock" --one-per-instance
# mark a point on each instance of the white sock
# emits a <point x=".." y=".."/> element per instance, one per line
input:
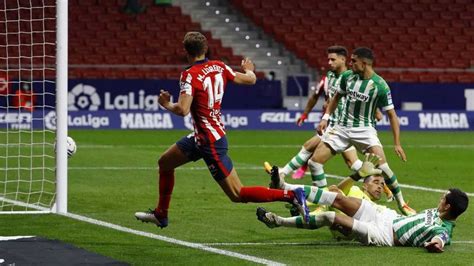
<point x="394" y="187"/>
<point x="317" y="174"/>
<point x="296" y="162"/>
<point x="287" y="186"/>
<point x="356" y="165"/>
<point x="325" y="197"/>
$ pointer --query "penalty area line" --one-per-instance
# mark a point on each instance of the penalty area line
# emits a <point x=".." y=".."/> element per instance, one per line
<point x="170" y="240"/>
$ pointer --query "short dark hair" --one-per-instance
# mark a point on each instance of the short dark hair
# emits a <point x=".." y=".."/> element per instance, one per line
<point x="458" y="201"/>
<point x="364" y="52"/>
<point x="369" y="178"/>
<point x="195" y="43"/>
<point x="337" y="49"/>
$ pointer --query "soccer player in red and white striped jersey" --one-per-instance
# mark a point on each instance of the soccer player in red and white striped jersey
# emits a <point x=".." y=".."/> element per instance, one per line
<point x="202" y="89"/>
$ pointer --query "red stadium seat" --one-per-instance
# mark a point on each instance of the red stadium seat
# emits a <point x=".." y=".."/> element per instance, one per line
<point x="447" y="78"/>
<point x="428" y="77"/>
<point x="465" y="78"/>
<point x="409" y="77"/>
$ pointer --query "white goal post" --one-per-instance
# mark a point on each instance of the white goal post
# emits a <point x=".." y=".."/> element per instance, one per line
<point x="33" y="106"/>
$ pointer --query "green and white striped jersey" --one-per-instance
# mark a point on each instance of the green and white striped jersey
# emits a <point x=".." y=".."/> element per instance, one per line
<point x="416" y="229"/>
<point x="363" y="96"/>
<point x="333" y="83"/>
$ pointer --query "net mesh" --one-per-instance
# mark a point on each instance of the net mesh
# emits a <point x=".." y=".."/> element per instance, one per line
<point x="27" y="100"/>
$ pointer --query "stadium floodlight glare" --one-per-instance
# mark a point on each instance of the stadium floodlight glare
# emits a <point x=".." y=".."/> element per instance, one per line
<point x="208" y="4"/>
<point x="227" y="20"/>
<point x="269" y="54"/>
<point x="257" y="45"/>
<point x="33" y="55"/>
<point x="247" y="37"/>
<point x="237" y="29"/>
<point x="279" y="62"/>
<point x="217" y="12"/>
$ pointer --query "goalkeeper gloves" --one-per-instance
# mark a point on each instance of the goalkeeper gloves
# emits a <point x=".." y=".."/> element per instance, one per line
<point x="369" y="164"/>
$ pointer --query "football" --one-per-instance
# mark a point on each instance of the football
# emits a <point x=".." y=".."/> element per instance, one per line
<point x="71" y="147"/>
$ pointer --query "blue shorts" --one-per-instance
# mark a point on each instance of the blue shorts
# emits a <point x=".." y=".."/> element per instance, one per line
<point x="214" y="154"/>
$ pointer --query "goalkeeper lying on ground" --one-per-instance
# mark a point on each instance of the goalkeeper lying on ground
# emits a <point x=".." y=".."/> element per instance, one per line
<point x="374" y="224"/>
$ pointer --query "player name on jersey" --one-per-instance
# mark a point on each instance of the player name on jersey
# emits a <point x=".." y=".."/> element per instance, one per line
<point x="209" y="69"/>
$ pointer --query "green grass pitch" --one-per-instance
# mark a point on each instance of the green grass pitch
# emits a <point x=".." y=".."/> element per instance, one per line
<point x="113" y="175"/>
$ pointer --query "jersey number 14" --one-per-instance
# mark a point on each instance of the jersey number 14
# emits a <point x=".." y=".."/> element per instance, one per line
<point x="215" y="91"/>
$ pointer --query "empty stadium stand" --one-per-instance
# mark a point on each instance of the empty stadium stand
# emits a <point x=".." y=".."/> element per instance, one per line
<point x="107" y="43"/>
<point x="414" y="41"/>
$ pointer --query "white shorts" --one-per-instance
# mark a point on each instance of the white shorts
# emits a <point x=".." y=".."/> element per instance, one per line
<point x="329" y="128"/>
<point x="340" y="138"/>
<point x="379" y="220"/>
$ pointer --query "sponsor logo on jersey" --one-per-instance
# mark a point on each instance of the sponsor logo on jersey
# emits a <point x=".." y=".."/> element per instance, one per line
<point x="429" y="217"/>
<point x="444" y="120"/>
<point x="358" y="96"/>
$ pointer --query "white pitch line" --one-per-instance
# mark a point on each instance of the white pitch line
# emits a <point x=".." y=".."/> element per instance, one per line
<point x="470" y="194"/>
<point x="173" y="240"/>
<point x="149" y="235"/>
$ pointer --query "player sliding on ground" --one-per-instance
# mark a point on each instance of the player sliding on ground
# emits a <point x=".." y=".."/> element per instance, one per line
<point x="372" y="189"/>
<point x="373" y="224"/>
<point x="202" y="88"/>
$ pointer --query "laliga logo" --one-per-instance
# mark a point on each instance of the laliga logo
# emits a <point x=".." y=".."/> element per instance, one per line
<point x="83" y="96"/>
<point x="50" y="120"/>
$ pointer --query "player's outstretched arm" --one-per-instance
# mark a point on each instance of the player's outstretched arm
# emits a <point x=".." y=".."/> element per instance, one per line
<point x="395" y="125"/>
<point x="312" y="100"/>
<point x="331" y="107"/>
<point x="435" y="245"/>
<point x="247" y="78"/>
<point x="180" y="108"/>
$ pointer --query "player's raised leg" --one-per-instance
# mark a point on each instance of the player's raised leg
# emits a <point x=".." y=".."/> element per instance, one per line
<point x="301" y="157"/>
<point x="351" y="159"/>
<point x="391" y="181"/>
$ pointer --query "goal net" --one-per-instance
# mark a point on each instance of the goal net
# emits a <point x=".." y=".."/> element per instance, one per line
<point x="28" y="81"/>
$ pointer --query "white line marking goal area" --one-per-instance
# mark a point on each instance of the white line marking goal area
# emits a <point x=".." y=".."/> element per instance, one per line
<point x="170" y="240"/>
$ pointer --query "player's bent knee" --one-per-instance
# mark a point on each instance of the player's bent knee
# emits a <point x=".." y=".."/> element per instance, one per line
<point x="164" y="164"/>
<point x="235" y="198"/>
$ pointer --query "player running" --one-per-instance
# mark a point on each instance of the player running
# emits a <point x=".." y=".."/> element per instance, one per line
<point x="202" y="88"/>
<point x="378" y="225"/>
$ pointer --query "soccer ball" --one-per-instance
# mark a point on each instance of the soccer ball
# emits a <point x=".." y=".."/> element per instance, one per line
<point x="71" y="147"/>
